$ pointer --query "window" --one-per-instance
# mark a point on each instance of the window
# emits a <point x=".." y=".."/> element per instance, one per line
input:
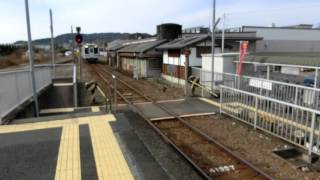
<point x="203" y="50"/>
<point x="174" y="53"/>
<point x="86" y="50"/>
<point x="96" y="50"/>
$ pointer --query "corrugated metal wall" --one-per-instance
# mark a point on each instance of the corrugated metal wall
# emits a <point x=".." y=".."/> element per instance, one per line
<point x="147" y="68"/>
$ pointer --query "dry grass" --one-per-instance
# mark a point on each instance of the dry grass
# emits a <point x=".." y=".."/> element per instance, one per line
<point x="19" y="58"/>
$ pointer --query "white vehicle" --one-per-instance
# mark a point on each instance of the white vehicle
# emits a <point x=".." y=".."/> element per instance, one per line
<point x="90" y="52"/>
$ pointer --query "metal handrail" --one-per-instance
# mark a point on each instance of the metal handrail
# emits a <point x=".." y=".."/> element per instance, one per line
<point x="271" y="99"/>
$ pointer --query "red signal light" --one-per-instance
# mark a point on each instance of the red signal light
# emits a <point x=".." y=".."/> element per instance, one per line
<point x="79" y="38"/>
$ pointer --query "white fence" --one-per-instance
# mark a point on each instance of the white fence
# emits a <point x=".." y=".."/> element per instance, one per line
<point x="288" y="111"/>
<point x="287" y="92"/>
<point x="293" y="123"/>
<point x="16" y="85"/>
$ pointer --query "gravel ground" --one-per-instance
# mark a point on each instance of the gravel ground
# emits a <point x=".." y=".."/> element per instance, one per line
<point x="207" y="156"/>
<point x="251" y="145"/>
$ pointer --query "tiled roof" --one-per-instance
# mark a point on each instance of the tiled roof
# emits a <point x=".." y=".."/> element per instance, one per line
<point x="142" y="47"/>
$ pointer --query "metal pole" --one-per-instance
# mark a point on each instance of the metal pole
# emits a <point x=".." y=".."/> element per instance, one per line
<point x="80" y="62"/>
<point x="52" y="44"/>
<point x="312" y="135"/>
<point x="30" y="54"/>
<point x="118" y="63"/>
<point x="316" y="78"/>
<point x="115" y="92"/>
<point x="73" y="55"/>
<point x="186" y="72"/>
<point x="313" y="117"/>
<point x="256" y="113"/>
<point x="223" y="33"/>
<point x="213" y="40"/>
<point x="75" y="87"/>
<point x="221" y="100"/>
<point x="268" y="72"/>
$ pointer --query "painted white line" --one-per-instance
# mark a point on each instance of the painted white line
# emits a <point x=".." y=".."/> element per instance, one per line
<point x="142" y="103"/>
<point x="62" y="84"/>
<point x="183" y="116"/>
<point x="95" y="109"/>
<point x="173" y="100"/>
<point x="58" y="110"/>
<point x="101" y="92"/>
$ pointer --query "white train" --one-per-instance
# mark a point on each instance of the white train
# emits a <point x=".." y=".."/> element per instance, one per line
<point x="90" y="52"/>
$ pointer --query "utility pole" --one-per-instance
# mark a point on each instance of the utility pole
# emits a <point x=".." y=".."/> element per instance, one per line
<point x="223" y="32"/>
<point x="31" y="64"/>
<point x="52" y="45"/>
<point x="213" y="40"/>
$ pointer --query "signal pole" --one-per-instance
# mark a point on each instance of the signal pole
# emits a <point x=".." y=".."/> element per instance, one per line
<point x="31" y="64"/>
<point x="79" y="41"/>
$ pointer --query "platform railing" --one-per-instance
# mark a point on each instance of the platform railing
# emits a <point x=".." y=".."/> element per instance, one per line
<point x="16" y="86"/>
<point x="287" y="92"/>
<point x="296" y="124"/>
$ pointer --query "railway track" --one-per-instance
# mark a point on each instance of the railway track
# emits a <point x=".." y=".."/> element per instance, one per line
<point x="212" y="159"/>
<point x="123" y="90"/>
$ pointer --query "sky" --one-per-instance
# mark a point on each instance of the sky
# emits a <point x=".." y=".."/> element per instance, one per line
<point x="143" y="15"/>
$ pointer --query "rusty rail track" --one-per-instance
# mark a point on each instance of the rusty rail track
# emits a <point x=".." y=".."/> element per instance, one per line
<point x="258" y="174"/>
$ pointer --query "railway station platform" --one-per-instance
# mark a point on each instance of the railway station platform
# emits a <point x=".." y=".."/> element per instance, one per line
<point x="98" y="146"/>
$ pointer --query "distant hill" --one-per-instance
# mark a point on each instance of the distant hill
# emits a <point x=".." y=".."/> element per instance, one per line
<point x="95" y="37"/>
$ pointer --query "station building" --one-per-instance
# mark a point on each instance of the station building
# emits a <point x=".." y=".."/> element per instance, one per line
<point x="112" y="49"/>
<point x="141" y="58"/>
<point x="173" y="67"/>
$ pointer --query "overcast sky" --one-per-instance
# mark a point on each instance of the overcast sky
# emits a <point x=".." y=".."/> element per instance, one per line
<point x="144" y="15"/>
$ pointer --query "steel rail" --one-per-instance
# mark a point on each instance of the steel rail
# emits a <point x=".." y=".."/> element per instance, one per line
<point x="198" y="131"/>
<point x="134" y="108"/>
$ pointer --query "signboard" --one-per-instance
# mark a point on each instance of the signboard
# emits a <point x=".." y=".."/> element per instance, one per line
<point x="260" y="84"/>
<point x="290" y="70"/>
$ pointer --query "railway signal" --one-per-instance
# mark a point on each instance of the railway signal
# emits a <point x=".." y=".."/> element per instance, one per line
<point x="79" y="38"/>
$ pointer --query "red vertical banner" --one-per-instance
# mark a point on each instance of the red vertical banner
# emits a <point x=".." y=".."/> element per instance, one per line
<point x="243" y="51"/>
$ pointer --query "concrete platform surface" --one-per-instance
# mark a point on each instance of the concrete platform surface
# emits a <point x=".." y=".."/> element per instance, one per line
<point x="187" y="107"/>
<point x="94" y="147"/>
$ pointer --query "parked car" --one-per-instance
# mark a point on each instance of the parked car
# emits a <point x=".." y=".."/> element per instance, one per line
<point x="309" y="81"/>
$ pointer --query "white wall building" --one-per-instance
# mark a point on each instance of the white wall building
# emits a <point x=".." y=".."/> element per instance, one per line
<point x="286" y="39"/>
<point x="173" y="68"/>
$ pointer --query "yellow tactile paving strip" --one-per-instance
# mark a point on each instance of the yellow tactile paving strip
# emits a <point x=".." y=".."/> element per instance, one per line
<point x="110" y="161"/>
<point x="68" y="165"/>
<point x="107" y="150"/>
